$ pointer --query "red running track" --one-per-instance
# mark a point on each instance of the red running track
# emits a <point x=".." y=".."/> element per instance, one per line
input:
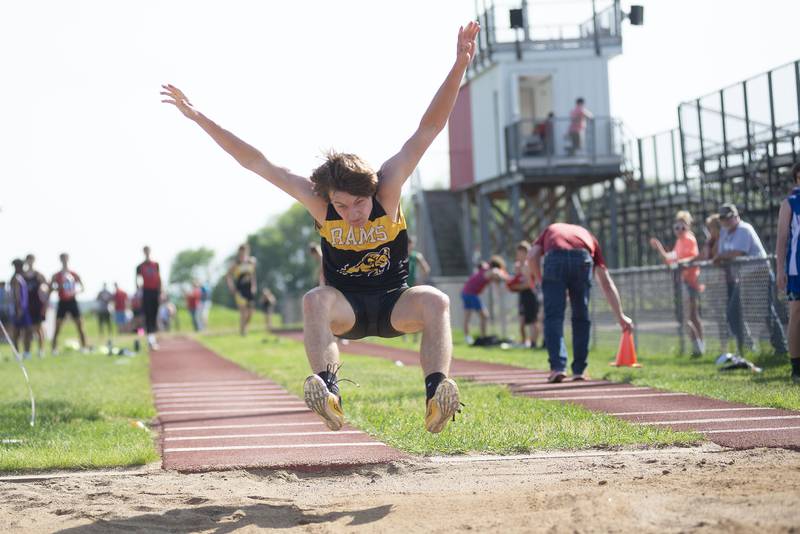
<point x="215" y="415"/>
<point x="728" y="424"/>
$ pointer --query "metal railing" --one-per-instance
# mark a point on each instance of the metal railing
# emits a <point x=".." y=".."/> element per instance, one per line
<point x="551" y="141"/>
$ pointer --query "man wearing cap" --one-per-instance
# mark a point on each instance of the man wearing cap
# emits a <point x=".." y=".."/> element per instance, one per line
<point x="738" y="239"/>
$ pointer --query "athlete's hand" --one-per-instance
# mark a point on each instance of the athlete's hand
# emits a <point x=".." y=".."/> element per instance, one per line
<point x="179" y="100"/>
<point x="782" y="280"/>
<point x="465" y="50"/>
<point x="626" y="323"/>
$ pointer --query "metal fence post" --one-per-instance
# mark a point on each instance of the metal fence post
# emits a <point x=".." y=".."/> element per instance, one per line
<point x="635" y="299"/>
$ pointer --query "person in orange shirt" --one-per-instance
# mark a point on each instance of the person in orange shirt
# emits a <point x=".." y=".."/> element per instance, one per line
<point x="686" y="251"/>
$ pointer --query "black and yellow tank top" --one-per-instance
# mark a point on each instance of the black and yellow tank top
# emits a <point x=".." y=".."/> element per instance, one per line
<point x="372" y="258"/>
<point x="243" y="276"/>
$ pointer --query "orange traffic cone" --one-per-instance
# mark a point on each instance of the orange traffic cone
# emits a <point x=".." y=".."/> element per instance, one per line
<point x="626" y="357"/>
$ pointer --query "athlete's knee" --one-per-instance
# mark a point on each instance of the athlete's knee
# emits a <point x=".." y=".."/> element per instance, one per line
<point x="435" y="302"/>
<point x="317" y="300"/>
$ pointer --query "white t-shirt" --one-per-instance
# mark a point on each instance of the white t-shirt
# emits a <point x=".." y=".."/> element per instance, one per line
<point x="742" y="238"/>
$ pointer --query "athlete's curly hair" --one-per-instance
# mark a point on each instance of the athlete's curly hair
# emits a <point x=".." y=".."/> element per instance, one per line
<point x="344" y="172"/>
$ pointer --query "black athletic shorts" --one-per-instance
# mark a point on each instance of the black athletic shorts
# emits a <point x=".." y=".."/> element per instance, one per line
<point x="373" y="313"/>
<point x="528" y="305"/>
<point x="35" y="309"/>
<point x="68" y="307"/>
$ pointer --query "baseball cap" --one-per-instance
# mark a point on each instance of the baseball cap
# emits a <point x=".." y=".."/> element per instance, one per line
<point x="726" y="211"/>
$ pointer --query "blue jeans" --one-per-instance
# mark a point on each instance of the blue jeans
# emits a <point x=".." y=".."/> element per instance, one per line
<point x="567" y="272"/>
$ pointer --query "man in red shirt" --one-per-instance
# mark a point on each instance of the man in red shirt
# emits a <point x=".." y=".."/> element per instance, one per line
<point x="66" y="282"/>
<point x="148" y="278"/>
<point x="120" y="305"/>
<point x="570" y="253"/>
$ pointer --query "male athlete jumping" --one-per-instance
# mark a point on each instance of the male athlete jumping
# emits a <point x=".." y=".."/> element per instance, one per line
<point x="364" y="252"/>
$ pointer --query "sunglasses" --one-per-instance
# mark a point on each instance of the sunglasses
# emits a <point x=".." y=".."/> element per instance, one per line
<point x="679" y="227"/>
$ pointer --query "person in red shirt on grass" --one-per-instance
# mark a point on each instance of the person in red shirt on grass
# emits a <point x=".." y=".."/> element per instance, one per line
<point x="522" y="284"/>
<point x="120" y="306"/>
<point x="68" y="284"/>
<point x="571" y="254"/>
<point x="148" y="278"/>
<point x="492" y="271"/>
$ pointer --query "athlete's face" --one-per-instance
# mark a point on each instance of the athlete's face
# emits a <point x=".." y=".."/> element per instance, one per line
<point x="352" y="209"/>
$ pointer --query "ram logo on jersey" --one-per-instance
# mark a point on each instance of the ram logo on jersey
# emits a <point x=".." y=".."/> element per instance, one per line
<point x="372" y="264"/>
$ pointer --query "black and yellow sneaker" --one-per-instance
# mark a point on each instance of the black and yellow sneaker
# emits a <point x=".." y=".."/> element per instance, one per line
<point x="326" y="404"/>
<point x="442" y="406"/>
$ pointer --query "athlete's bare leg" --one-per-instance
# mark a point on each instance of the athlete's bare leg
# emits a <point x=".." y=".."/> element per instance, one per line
<point x="467" y="317"/>
<point x="484" y="319"/>
<point x="426" y="309"/>
<point x="794" y="329"/>
<point x="54" y="343"/>
<point x="79" y="325"/>
<point x="326" y="313"/>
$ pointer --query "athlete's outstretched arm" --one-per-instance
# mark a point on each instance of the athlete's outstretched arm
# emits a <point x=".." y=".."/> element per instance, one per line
<point x="248" y="156"/>
<point x="399" y="167"/>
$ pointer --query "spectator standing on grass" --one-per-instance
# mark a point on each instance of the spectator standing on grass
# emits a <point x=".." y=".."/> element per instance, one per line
<point x="148" y="278"/>
<point x="68" y="284"/>
<point x="528" y="305"/>
<point x="686" y="251"/>
<point x="788" y="266"/>
<point x="104" y="298"/>
<point x="4" y="301"/>
<point x="120" y="308"/>
<point x="20" y="310"/>
<point x="571" y="254"/>
<point x="37" y="300"/>
<point x="492" y="271"/>
<point x="315" y="251"/>
<point x="738" y="239"/>
<point x="578" y="118"/>
<point x="712" y="231"/>
<point x="205" y="304"/>
<point x="193" y="304"/>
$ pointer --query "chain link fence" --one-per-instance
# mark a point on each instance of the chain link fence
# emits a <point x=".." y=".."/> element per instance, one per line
<point x="734" y="307"/>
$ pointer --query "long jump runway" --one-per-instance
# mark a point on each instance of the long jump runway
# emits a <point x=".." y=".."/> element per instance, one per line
<point x="725" y="423"/>
<point x="215" y="415"/>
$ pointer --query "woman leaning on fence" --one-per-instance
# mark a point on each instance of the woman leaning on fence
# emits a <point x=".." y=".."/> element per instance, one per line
<point x="686" y="251"/>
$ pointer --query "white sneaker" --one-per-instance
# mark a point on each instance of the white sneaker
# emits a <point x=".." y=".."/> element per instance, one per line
<point x="26" y="355"/>
<point x="468" y="340"/>
<point x="55" y="352"/>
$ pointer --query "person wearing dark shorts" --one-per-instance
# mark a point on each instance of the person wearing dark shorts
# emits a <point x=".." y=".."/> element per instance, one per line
<point x="67" y="283"/>
<point x="104" y="298"/>
<point x="364" y="251"/>
<point x="148" y="278"/>
<point x="528" y="307"/>
<point x="20" y="309"/>
<point x="241" y="280"/>
<point x="37" y="304"/>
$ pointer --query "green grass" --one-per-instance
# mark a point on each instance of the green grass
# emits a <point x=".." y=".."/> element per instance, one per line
<point x="389" y="404"/>
<point x="660" y="368"/>
<point x="85" y="404"/>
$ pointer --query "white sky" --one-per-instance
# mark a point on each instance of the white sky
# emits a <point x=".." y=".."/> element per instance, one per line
<point x="92" y="163"/>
